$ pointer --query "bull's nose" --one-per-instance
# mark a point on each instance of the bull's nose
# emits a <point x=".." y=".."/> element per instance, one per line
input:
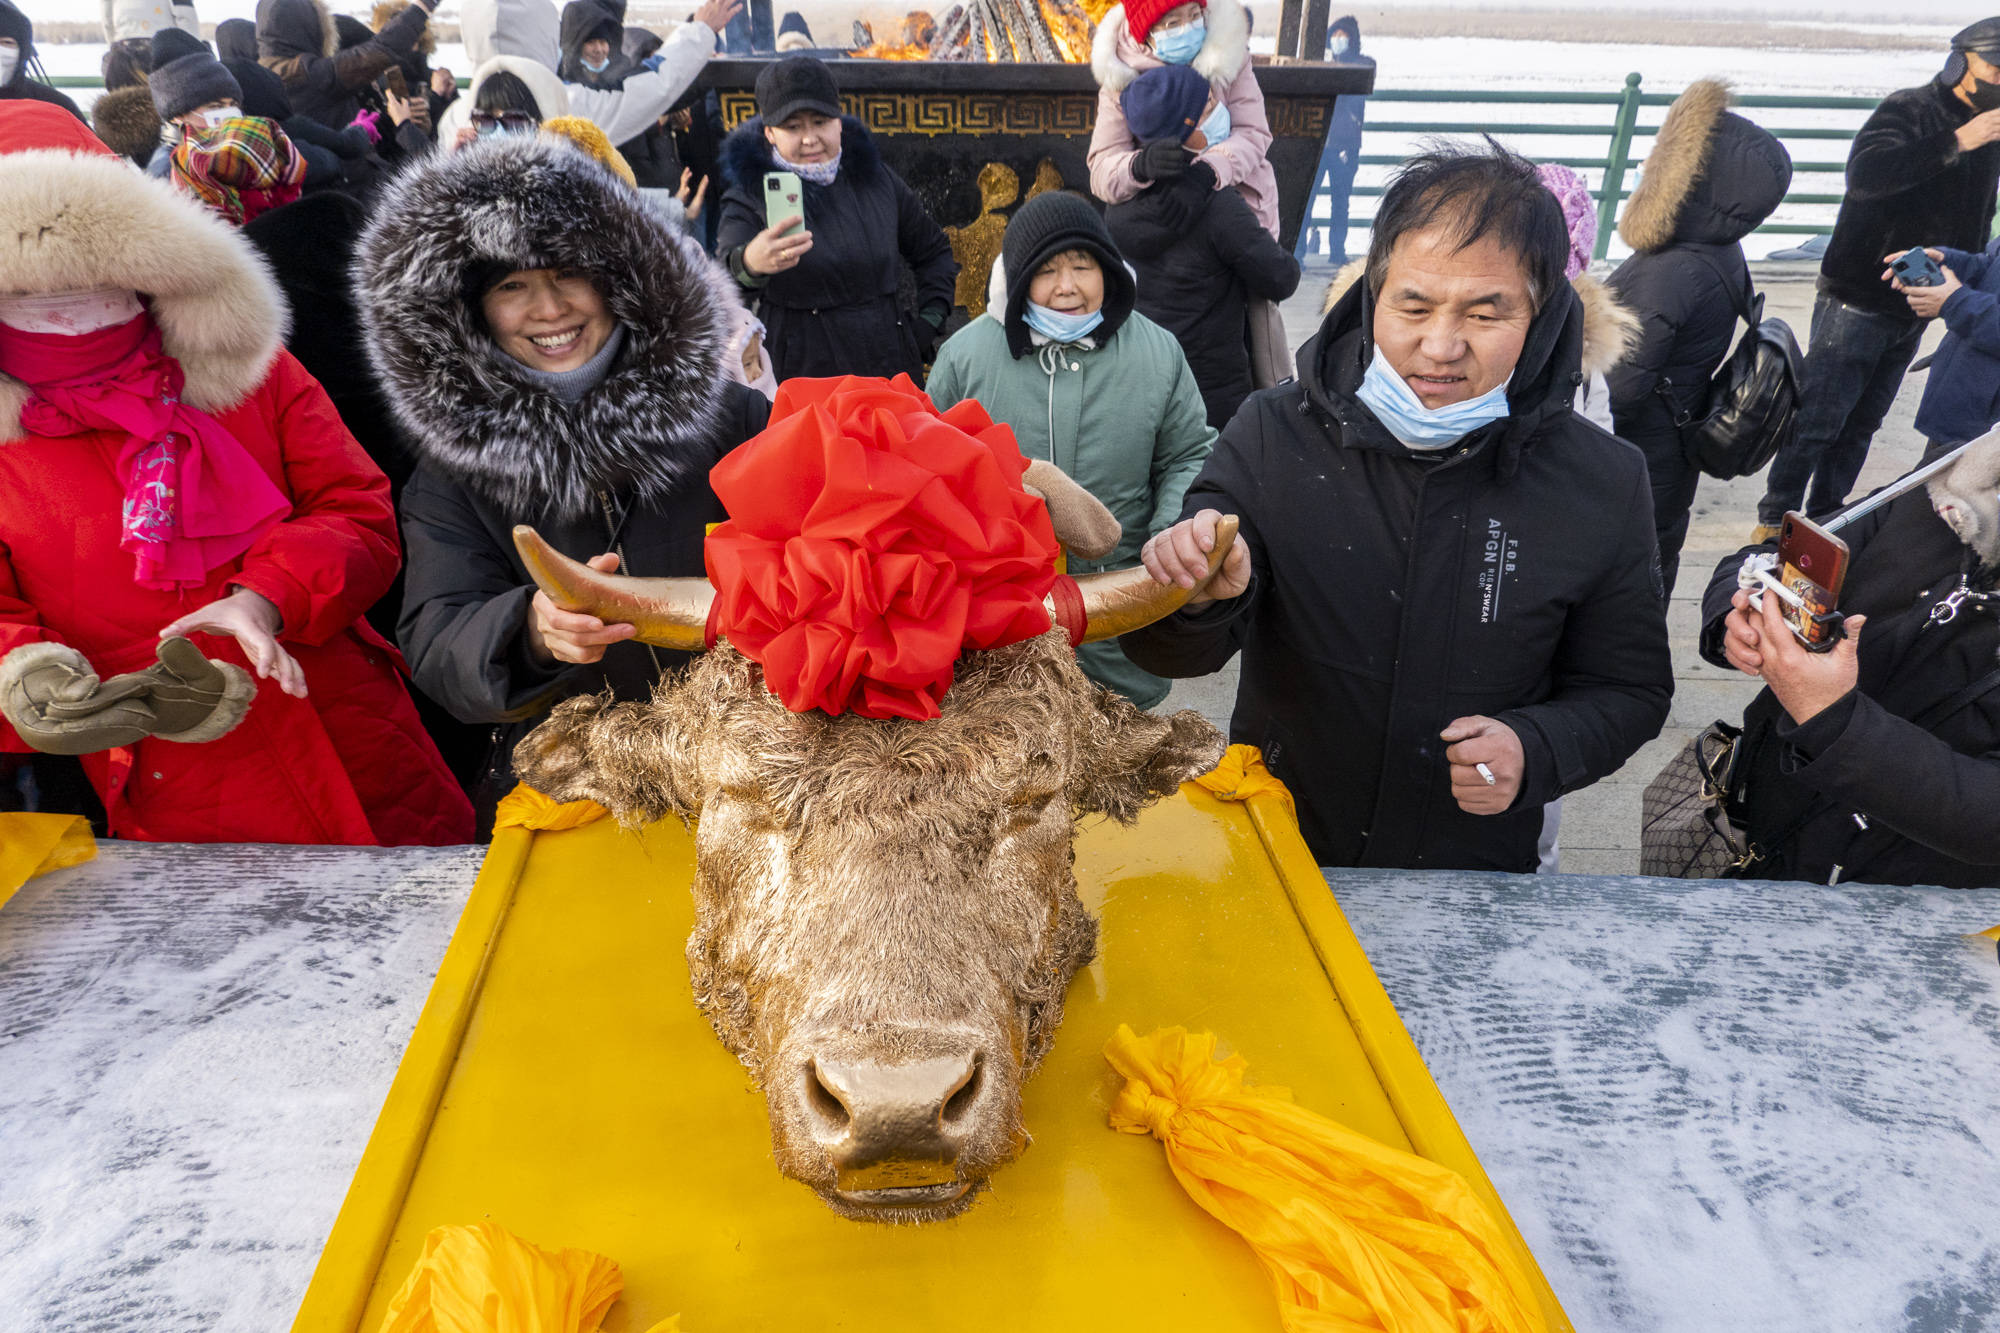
<point x="894" y="1126"/>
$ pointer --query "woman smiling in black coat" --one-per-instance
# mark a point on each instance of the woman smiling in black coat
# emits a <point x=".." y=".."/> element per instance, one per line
<point x="828" y="292"/>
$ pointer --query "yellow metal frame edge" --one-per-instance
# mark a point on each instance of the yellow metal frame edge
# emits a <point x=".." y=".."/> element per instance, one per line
<point x="1415" y="1096"/>
<point x="338" y="1294"/>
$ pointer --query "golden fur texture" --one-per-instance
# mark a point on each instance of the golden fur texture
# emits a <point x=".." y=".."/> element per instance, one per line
<point x="84" y="220"/>
<point x="1678" y="157"/>
<point x="1610" y="330"/>
<point x="880" y="891"/>
<point x="127" y="122"/>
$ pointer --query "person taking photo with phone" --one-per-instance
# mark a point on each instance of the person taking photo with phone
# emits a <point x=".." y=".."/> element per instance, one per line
<point x="1878" y="761"/>
<point x="826" y="268"/>
<point x="1962" y="393"/>
<point x="1922" y="171"/>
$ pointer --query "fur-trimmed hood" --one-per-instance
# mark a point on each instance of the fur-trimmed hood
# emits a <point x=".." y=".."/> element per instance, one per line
<point x="287" y="29"/>
<point x="1117" y="58"/>
<point x="551" y="98"/>
<point x="1610" y="330"/>
<point x="1711" y="177"/>
<point x="536" y="202"/>
<point x="746" y="156"/>
<point x="128" y="122"/>
<point x="89" y="220"/>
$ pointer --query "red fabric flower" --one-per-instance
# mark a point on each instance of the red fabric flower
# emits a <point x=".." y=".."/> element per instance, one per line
<point x="871" y="539"/>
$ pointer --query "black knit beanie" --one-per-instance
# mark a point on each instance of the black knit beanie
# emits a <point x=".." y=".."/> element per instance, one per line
<point x="1044" y="227"/>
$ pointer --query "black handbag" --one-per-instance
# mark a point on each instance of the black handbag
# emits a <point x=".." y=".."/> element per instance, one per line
<point x="1753" y="399"/>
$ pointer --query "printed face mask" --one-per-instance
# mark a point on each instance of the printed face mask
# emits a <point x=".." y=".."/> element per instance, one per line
<point x="1060" y="326"/>
<point x="1396" y="405"/>
<point x="1177" y="46"/>
<point x="1215" y="125"/>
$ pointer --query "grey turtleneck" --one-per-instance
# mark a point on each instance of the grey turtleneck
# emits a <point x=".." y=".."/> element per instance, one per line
<point x="571" y="385"/>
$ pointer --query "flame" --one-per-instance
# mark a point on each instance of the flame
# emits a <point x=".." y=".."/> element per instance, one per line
<point x="1069" y="24"/>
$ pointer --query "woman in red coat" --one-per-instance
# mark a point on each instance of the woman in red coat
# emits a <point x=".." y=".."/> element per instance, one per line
<point x="167" y="469"/>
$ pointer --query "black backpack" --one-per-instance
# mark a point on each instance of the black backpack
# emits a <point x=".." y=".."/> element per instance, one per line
<point x="1753" y="400"/>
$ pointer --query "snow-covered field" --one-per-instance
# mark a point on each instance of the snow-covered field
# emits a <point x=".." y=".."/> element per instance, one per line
<point x="1476" y="63"/>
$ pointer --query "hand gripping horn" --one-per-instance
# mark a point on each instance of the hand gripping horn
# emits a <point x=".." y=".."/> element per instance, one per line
<point x="673" y="613"/>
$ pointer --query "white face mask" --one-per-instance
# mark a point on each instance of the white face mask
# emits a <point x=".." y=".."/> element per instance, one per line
<point x="70" y="312"/>
<point x="216" y="115"/>
<point x="10" y="56"/>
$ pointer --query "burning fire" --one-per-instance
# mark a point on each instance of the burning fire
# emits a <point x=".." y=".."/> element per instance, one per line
<point x="997" y="31"/>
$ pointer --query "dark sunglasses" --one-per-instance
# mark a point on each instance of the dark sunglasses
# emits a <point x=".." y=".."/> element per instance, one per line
<point x="512" y="122"/>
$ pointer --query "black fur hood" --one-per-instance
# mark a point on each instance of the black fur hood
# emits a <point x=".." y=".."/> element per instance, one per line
<point x="537" y="203"/>
<point x="746" y="156"/>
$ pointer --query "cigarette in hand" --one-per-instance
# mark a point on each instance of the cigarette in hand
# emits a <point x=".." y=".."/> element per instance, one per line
<point x="1486" y="774"/>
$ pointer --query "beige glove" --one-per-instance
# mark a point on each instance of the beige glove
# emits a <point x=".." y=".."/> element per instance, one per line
<point x="57" y="704"/>
<point x="1083" y="525"/>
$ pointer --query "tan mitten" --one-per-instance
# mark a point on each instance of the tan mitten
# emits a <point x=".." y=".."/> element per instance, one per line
<point x="194" y="698"/>
<point x="1083" y="525"/>
<point x="58" y="706"/>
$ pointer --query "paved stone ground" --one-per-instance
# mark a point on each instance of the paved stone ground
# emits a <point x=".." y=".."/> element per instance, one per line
<point x="1600" y="825"/>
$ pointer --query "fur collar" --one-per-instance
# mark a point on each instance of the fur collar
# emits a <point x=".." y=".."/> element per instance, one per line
<point x="535" y="202"/>
<point x="1610" y="330"/>
<point x="1117" y="58"/>
<point x="1679" y="156"/>
<point x="746" y="156"/>
<point x="87" y="220"/>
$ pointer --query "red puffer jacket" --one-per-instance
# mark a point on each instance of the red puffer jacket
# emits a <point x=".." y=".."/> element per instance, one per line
<point x="350" y="763"/>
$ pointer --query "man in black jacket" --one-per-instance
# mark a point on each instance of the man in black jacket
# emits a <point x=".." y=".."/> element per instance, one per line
<point x="1446" y="595"/>
<point x="1922" y="171"/>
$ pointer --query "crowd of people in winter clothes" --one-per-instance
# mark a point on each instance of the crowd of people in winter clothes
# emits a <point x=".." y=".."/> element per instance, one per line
<point x="307" y="331"/>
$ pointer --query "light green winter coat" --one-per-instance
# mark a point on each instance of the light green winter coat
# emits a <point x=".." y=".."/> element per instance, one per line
<point x="1125" y="420"/>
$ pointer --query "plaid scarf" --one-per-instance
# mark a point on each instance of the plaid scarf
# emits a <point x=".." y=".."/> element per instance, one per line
<point x="240" y="168"/>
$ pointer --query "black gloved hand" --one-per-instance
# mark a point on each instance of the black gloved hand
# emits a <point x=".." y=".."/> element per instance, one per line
<point x="1160" y="160"/>
<point x="1183" y="201"/>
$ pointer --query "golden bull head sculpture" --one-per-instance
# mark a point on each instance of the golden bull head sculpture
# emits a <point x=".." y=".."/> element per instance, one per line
<point x="886" y="914"/>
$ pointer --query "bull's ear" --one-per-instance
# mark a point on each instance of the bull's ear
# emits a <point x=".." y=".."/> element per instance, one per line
<point x="634" y="759"/>
<point x="1126" y="759"/>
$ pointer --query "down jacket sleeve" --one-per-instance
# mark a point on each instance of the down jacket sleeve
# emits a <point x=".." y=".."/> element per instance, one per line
<point x="1613" y="671"/>
<point x="1181" y="445"/>
<point x="18" y="625"/>
<point x="1113" y="149"/>
<point x="1924" y="795"/>
<point x="465" y="610"/>
<point x="926" y="249"/>
<point x="357" y="65"/>
<point x="628" y="111"/>
<point x="337" y="553"/>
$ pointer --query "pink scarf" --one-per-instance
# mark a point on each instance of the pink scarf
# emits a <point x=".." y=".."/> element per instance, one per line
<point x="194" y="497"/>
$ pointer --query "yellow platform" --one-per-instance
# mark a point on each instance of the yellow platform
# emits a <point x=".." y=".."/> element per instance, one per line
<point x="562" y="1083"/>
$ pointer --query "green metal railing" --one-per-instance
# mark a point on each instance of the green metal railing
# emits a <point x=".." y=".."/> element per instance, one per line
<point x="1619" y="136"/>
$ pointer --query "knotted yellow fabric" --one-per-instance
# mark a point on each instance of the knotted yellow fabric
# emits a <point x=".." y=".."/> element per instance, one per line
<point x="1354" y="1234"/>
<point x="32" y="845"/>
<point x="1242" y="774"/>
<point x="524" y="807"/>
<point x="486" y="1279"/>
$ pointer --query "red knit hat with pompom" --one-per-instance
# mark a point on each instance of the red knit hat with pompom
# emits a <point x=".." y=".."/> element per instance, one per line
<point x="1141" y="15"/>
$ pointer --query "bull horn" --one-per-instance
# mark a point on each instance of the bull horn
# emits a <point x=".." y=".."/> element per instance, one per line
<point x="1123" y="600"/>
<point x="671" y="613"/>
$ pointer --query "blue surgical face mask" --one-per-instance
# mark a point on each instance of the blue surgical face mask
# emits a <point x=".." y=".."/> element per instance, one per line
<point x="599" y="67"/>
<point x="1396" y="405"/>
<point x="1340" y="43"/>
<point x="1177" y="46"/>
<point x="1215" y="125"/>
<point x="1059" y="326"/>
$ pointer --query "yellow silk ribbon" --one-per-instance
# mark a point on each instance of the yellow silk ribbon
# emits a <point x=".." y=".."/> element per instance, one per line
<point x="524" y="807"/>
<point x="1356" y="1236"/>
<point x="1242" y="774"/>
<point x="486" y="1279"/>
<point x="32" y="845"/>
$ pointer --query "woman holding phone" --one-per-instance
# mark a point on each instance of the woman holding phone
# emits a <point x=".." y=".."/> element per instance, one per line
<point x="825" y="257"/>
